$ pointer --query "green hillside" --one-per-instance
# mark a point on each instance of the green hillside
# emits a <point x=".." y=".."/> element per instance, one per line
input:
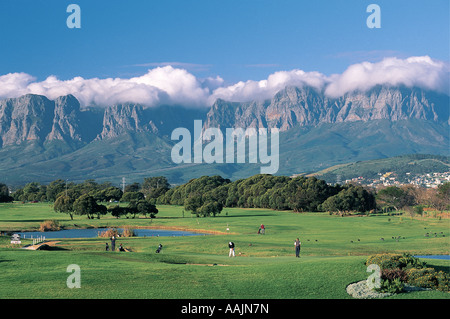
<point x="303" y="150"/>
<point x="416" y="164"/>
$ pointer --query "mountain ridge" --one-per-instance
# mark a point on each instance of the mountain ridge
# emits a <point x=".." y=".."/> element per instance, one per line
<point x="306" y="106"/>
<point x="41" y="138"/>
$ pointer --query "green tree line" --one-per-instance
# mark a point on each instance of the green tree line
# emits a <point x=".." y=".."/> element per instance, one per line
<point x="208" y="195"/>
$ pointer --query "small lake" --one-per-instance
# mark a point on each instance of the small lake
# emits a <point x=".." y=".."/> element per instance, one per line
<point x="445" y="257"/>
<point x="94" y="232"/>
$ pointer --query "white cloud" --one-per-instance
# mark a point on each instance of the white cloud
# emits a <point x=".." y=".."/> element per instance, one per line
<point x="170" y="85"/>
<point x="421" y="71"/>
<point x="14" y="84"/>
<point x="264" y="89"/>
<point x="182" y="65"/>
<point x="162" y="85"/>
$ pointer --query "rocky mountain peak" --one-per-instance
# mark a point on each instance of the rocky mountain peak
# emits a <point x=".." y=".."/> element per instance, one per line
<point x="66" y="120"/>
<point x="307" y="106"/>
<point x="26" y="118"/>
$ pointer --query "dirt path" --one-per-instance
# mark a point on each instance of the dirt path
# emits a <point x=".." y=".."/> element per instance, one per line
<point x="38" y="246"/>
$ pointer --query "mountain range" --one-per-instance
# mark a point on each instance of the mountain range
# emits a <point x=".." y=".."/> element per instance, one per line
<point x="42" y="139"/>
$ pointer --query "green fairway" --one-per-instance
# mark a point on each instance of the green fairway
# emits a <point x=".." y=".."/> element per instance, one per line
<point x="333" y="255"/>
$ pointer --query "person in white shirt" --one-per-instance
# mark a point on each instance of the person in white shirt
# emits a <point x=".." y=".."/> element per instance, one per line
<point x="297" y="244"/>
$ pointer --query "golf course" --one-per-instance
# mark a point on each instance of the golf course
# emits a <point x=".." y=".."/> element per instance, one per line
<point x="334" y="251"/>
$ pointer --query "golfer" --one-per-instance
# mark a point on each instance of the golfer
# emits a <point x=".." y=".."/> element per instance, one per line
<point x="231" y="246"/>
<point x="113" y="243"/>
<point x="297" y="244"/>
<point x="263" y="230"/>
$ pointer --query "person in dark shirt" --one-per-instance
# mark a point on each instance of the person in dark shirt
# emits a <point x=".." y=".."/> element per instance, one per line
<point x="231" y="246"/>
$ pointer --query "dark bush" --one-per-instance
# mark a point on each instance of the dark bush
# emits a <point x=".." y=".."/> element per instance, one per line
<point x="391" y="274"/>
<point x="428" y="278"/>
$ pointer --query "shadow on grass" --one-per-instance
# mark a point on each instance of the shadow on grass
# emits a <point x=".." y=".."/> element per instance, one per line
<point x="21" y="220"/>
<point x="221" y="215"/>
<point x="52" y="248"/>
<point x="445" y="269"/>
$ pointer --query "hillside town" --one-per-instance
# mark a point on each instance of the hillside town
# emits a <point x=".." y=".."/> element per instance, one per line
<point x="429" y="180"/>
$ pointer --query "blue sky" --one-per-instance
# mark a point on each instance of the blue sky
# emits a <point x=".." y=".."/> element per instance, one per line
<point x="237" y="40"/>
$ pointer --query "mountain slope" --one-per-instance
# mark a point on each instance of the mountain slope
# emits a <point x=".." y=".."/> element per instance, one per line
<point x="42" y="140"/>
<point x="402" y="166"/>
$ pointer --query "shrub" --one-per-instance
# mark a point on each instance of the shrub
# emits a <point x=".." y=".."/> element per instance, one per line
<point x="385" y="261"/>
<point x="392" y="274"/>
<point x="109" y="233"/>
<point x="128" y="232"/>
<point x="418" y="209"/>
<point x="399" y="269"/>
<point x="49" y="225"/>
<point x="408" y="261"/>
<point x="428" y="278"/>
<point x="443" y="281"/>
<point x="392" y="280"/>
<point x="394" y="261"/>
<point x="391" y="286"/>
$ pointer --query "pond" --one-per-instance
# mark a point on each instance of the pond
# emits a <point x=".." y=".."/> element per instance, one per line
<point x="445" y="257"/>
<point x="94" y="232"/>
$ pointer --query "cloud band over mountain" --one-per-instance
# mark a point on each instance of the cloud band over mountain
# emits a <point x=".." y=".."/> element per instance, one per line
<point x="174" y="85"/>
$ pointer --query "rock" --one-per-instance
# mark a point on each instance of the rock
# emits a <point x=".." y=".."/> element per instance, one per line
<point x="360" y="290"/>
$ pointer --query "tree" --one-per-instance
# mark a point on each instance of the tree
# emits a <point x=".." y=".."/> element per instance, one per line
<point x="113" y="193"/>
<point x="55" y="188"/>
<point x="64" y="204"/>
<point x="153" y="187"/>
<point x="396" y="197"/>
<point x="350" y="198"/>
<point x="4" y="194"/>
<point x="107" y="194"/>
<point x="130" y="196"/>
<point x="87" y="205"/>
<point x="132" y="187"/>
<point x="117" y="211"/>
<point x="209" y="208"/>
<point x="331" y="204"/>
<point x="32" y="192"/>
<point x="18" y="195"/>
<point x="201" y="185"/>
<point x="193" y="203"/>
<point x="440" y="198"/>
<point x="88" y="186"/>
<point x="145" y="208"/>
